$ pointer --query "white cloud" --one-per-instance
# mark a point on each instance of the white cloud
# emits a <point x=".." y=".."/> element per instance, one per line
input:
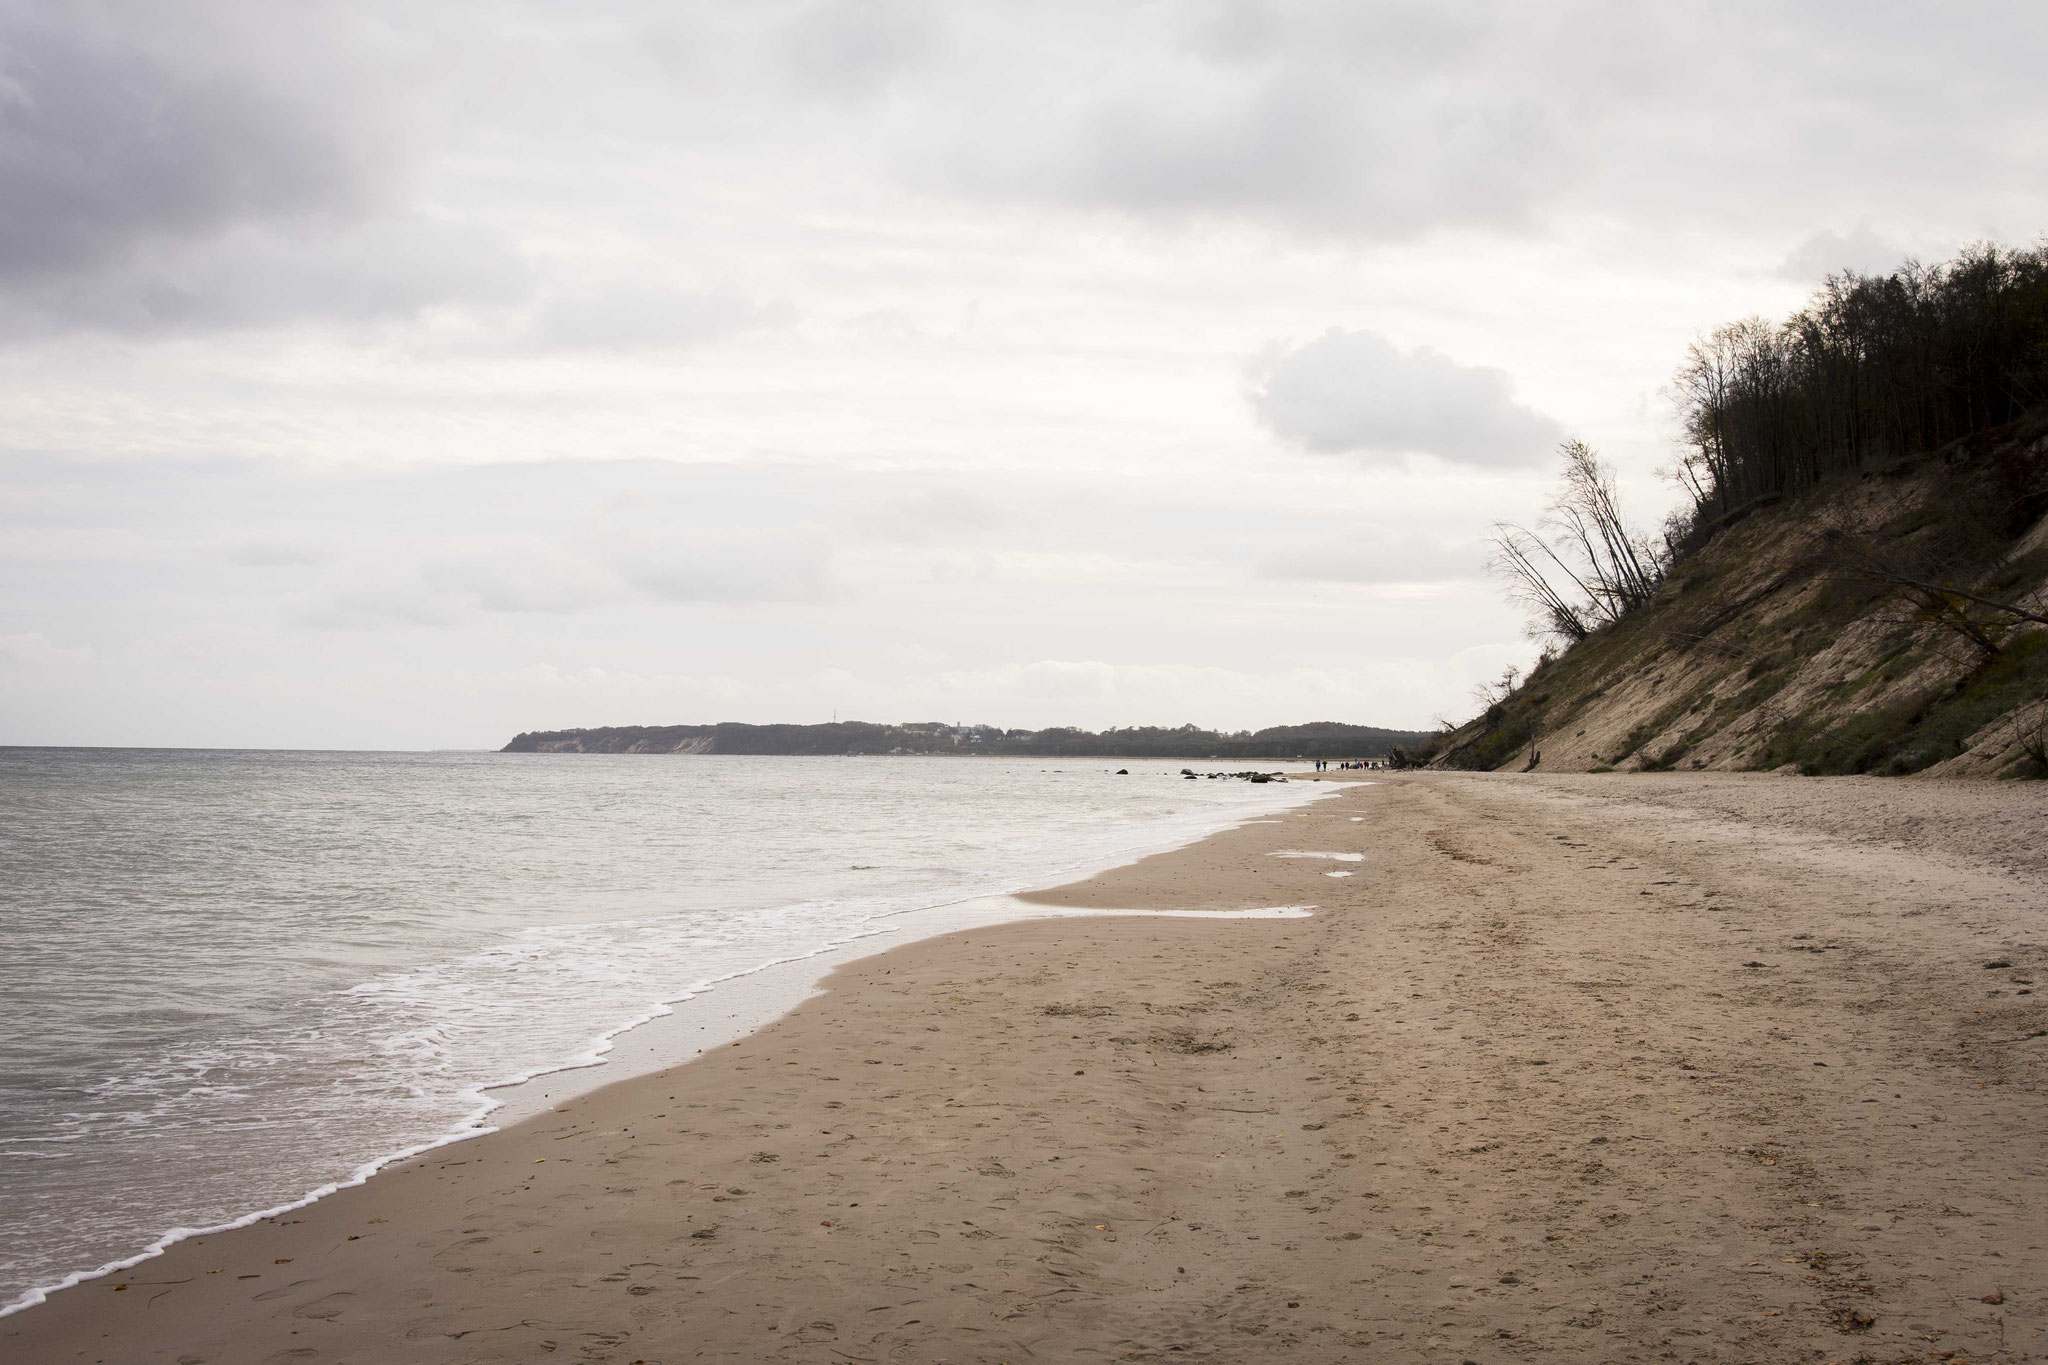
<point x="32" y="652"/>
<point x="853" y="49"/>
<point x="929" y="515"/>
<point x="1372" y="555"/>
<point x="1357" y="393"/>
<point x="273" y="552"/>
<point x="520" y="574"/>
<point x="688" y="565"/>
<point x="374" y="607"/>
<point x="1385" y="121"/>
<point x="636" y="316"/>
<point x="608" y="563"/>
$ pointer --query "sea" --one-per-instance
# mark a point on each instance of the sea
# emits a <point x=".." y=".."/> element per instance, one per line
<point x="231" y="981"/>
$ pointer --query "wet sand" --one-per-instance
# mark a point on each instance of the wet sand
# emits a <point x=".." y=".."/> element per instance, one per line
<point x="1608" y="1068"/>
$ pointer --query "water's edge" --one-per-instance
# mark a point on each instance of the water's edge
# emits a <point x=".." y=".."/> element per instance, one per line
<point x="673" y="1032"/>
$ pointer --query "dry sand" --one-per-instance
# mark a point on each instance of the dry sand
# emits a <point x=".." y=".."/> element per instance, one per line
<point x="1590" y="1069"/>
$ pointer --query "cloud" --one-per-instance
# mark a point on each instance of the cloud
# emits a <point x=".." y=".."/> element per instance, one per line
<point x="107" y="146"/>
<point x="695" y="566"/>
<point x="372" y="607"/>
<point x="521" y="574"/>
<point x="273" y="552"/>
<point x="1395" y="120"/>
<point x="180" y="165"/>
<point x="852" y="49"/>
<point x="1356" y="393"/>
<point x="1823" y="254"/>
<point x="611" y="565"/>
<point x="257" y="276"/>
<point x="183" y="168"/>
<point x="32" y="652"/>
<point x="1045" y="680"/>
<point x="930" y="516"/>
<point x="1374" y="555"/>
<point x="637" y="316"/>
<point x="1382" y="122"/>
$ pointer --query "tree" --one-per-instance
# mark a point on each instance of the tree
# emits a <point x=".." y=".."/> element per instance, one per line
<point x="1874" y="369"/>
<point x="1491" y="694"/>
<point x="1583" y="566"/>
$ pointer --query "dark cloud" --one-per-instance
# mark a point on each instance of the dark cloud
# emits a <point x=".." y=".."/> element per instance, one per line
<point x="183" y="167"/>
<point x="107" y="147"/>
<point x="1357" y="393"/>
<point x="256" y="275"/>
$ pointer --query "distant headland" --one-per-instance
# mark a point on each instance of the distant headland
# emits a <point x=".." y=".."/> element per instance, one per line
<point x="1321" y="739"/>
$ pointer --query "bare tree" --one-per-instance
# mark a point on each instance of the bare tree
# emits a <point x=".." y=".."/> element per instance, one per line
<point x="1518" y="561"/>
<point x="1623" y="566"/>
<point x="1492" y="694"/>
<point x="1583" y="566"/>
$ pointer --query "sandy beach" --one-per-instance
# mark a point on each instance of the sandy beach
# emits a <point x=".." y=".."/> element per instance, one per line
<point x="1604" y="1068"/>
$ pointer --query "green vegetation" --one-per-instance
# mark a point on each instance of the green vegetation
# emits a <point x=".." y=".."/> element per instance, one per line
<point x="1918" y="731"/>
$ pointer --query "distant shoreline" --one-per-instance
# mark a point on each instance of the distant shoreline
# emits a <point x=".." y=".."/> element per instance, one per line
<point x="1319" y="740"/>
<point x="935" y="753"/>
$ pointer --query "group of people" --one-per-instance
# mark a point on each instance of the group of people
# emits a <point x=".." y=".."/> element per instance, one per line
<point x="1349" y="764"/>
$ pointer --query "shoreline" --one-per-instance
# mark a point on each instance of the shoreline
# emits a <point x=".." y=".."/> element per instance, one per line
<point x="1531" y="1071"/>
<point x="670" y="1033"/>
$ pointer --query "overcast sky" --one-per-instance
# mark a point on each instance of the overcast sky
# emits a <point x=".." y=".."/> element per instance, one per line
<point x="402" y="375"/>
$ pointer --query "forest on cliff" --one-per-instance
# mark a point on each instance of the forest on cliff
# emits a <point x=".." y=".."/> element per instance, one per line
<point x="1858" y="579"/>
